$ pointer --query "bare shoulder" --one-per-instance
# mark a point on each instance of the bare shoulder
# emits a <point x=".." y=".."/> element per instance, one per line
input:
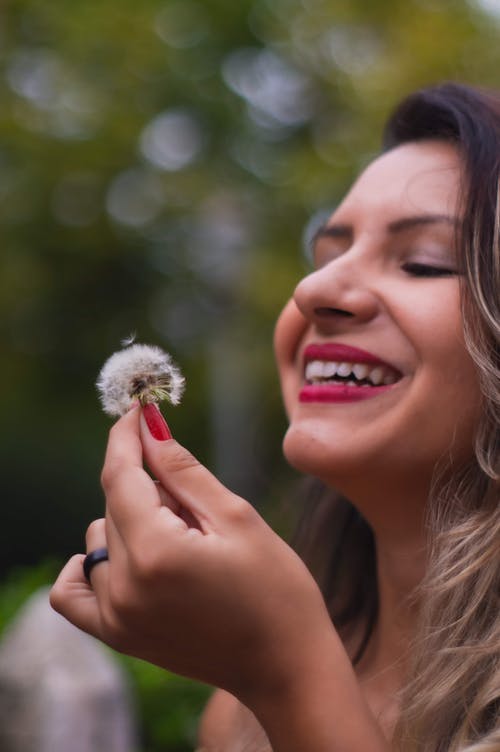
<point x="217" y="722"/>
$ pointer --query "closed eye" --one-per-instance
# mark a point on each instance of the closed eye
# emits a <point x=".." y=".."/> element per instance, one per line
<point x="425" y="270"/>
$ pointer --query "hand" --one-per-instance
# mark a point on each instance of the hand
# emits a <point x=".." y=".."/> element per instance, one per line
<point x="196" y="581"/>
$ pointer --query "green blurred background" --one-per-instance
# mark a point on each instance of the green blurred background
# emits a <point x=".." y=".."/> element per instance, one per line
<point x="162" y="164"/>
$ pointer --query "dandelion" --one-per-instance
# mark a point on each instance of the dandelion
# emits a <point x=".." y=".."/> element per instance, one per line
<point x="143" y="372"/>
<point x="128" y="340"/>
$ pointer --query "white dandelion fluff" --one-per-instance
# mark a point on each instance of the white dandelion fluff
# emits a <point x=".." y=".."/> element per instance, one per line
<point x="129" y="340"/>
<point x="143" y="372"/>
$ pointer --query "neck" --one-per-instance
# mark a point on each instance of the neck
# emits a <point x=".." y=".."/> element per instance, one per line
<point x="395" y="511"/>
<point x="383" y="667"/>
<point x="397" y="520"/>
<point x="400" y="569"/>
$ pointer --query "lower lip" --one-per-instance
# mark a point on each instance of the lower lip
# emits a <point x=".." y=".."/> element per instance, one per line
<point x="339" y="392"/>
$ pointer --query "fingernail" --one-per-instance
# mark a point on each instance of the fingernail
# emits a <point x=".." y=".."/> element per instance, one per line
<point x="156" y="422"/>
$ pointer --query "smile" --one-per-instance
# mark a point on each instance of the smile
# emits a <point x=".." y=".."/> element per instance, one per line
<point x="341" y="373"/>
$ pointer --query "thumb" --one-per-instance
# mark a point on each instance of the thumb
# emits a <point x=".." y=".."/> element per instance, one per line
<point x="180" y="473"/>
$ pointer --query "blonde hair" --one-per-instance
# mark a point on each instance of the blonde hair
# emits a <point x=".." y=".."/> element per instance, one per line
<point x="452" y="700"/>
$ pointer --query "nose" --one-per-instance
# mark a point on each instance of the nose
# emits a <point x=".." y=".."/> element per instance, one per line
<point x="340" y="294"/>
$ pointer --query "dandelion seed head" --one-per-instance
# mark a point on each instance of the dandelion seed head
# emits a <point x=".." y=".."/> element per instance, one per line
<point x="129" y="340"/>
<point x="143" y="372"/>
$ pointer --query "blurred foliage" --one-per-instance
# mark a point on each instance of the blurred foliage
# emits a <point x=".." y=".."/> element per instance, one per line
<point x="168" y="706"/>
<point x="20" y="584"/>
<point x="162" y="165"/>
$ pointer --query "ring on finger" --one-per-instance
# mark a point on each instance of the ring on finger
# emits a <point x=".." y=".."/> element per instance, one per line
<point x="92" y="559"/>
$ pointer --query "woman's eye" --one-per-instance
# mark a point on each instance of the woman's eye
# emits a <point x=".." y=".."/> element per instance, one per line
<point x="425" y="270"/>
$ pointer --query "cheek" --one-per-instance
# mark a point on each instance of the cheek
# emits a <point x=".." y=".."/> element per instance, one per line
<point x="432" y="323"/>
<point x="289" y="332"/>
<point x="442" y="355"/>
<point x="452" y="393"/>
<point x="446" y="405"/>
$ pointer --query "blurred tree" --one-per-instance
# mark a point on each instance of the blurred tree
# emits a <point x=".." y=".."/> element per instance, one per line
<point x="159" y="165"/>
<point x="162" y="165"/>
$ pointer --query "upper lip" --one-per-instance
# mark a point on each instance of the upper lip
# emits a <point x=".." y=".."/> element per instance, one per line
<point x="335" y="351"/>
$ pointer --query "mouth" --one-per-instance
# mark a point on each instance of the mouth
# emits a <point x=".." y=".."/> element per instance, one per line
<point x="341" y="373"/>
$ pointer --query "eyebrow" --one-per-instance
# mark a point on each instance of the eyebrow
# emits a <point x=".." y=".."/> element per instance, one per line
<point x="399" y="225"/>
<point x="408" y="223"/>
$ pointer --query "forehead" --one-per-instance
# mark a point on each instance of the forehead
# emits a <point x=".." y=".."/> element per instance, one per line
<point x="413" y="178"/>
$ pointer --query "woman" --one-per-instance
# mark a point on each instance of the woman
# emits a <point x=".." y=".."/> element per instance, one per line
<point x="389" y="363"/>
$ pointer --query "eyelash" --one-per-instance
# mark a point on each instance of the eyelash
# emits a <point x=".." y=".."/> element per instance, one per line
<point x="425" y="270"/>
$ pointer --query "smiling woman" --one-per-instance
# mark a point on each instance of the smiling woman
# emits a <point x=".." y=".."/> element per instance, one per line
<point x="385" y="293"/>
<point x="408" y="267"/>
<point x="388" y="354"/>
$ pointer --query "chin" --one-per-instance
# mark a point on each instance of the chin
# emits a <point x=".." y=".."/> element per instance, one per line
<point x="308" y="454"/>
<point x="348" y="465"/>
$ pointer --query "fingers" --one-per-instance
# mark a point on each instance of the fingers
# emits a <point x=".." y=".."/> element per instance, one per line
<point x="96" y="535"/>
<point x="73" y="597"/>
<point x="167" y="499"/>
<point x="189" y="482"/>
<point x="188" y="496"/>
<point x="131" y="494"/>
<point x="124" y="447"/>
<point x="95" y="539"/>
<point x="86" y="603"/>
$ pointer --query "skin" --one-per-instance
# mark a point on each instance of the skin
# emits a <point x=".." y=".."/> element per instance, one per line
<point x="277" y="653"/>
<point x="381" y="453"/>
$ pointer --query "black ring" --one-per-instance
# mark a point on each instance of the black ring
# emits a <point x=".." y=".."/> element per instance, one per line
<point x="93" y="558"/>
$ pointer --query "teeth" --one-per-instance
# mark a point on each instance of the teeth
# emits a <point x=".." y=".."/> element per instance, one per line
<point x="360" y="370"/>
<point x="376" y="375"/>
<point x="330" y="369"/>
<point x="314" y="370"/>
<point x="344" y="369"/>
<point x="319" y="370"/>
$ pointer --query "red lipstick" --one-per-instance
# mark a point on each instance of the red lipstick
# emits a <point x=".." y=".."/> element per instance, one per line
<point x="339" y="392"/>
<point x="341" y="389"/>
<point x="338" y="352"/>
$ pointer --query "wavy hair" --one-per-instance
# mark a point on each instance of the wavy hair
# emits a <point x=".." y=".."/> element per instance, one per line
<point x="451" y="702"/>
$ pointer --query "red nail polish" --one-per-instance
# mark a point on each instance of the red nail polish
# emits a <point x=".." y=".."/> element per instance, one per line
<point x="156" y="422"/>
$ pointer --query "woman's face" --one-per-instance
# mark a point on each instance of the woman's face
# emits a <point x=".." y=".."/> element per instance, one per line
<point x="375" y="375"/>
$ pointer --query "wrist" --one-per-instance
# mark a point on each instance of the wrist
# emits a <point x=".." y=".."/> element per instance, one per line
<point x="317" y="704"/>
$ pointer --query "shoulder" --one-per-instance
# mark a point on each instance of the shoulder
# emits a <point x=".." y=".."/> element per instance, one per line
<point x="217" y="722"/>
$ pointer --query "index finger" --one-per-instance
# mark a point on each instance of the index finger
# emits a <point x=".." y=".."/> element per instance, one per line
<point x="188" y="481"/>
